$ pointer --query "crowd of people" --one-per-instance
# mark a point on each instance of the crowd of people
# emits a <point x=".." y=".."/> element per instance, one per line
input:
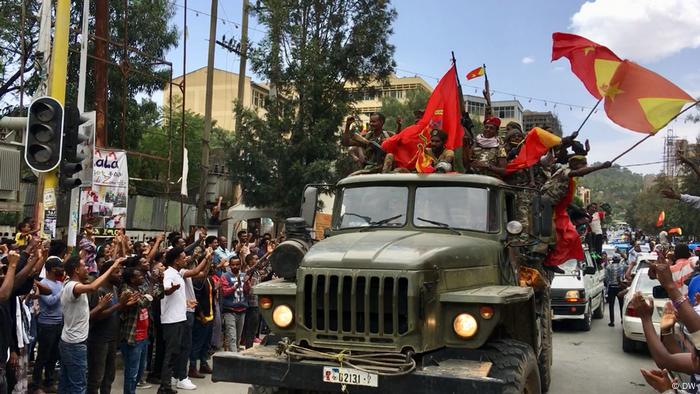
<point x="165" y="305"/>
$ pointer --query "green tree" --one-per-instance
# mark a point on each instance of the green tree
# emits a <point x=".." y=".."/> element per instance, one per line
<point x="393" y="108"/>
<point x="15" y="44"/>
<point x="617" y="186"/>
<point x="312" y="49"/>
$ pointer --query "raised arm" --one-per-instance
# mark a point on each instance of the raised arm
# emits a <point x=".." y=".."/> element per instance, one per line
<point x="200" y="268"/>
<point x="590" y="169"/>
<point x="82" y="288"/>
<point x="9" y="281"/>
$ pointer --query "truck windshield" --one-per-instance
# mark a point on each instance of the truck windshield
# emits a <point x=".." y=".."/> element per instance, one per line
<point x="380" y="206"/>
<point x="456" y="207"/>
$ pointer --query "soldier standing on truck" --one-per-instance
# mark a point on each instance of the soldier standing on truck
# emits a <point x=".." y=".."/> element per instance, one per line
<point x="488" y="151"/>
<point x="372" y="158"/>
<point x="443" y="158"/>
<point x="522" y="178"/>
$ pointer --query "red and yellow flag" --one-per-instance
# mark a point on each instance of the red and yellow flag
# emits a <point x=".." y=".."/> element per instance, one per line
<point x="660" y="220"/>
<point x="592" y="63"/>
<point x="642" y="100"/>
<point x="568" y="244"/>
<point x="441" y="112"/>
<point x="676" y="230"/>
<point x="476" y="73"/>
<point x="537" y="142"/>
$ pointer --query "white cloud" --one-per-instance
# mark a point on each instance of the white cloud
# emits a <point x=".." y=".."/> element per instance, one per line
<point x="528" y="60"/>
<point x="641" y="30"/>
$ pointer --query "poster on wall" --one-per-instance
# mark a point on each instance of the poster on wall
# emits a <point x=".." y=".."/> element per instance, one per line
<point x="104" y="204"/>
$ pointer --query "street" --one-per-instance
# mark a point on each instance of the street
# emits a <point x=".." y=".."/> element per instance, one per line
<point x="584" y="362"/>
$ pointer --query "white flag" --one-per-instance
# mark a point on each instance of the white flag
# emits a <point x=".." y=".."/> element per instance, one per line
<point x="185" y="171"/>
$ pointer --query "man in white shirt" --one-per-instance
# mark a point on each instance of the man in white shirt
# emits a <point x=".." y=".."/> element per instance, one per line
<point x="76" y="318"/>
<point x="596" y="228"/>
<point x="173" y="317"/>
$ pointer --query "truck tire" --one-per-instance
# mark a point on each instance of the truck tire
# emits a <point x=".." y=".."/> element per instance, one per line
<point x="515" y="364"/>
<point x="585" y="324"/>
<point x="598" y="313"/>
<point x="545" y="358"/>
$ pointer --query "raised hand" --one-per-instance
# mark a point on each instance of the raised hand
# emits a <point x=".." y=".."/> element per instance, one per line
<point x="104" y="301"/>
<point x="668" y="320"/>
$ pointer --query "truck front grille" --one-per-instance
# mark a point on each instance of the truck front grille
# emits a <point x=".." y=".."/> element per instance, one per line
<point x="352" y="304"/>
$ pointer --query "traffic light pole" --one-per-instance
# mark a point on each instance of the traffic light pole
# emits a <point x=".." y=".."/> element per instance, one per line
<point x="47" y="184"/>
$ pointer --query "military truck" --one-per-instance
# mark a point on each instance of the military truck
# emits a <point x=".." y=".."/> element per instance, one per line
<point x="417" y="287"/>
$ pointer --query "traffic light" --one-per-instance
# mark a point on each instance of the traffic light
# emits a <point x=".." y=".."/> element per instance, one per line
<point x="71" y="158"/>
<point x="44" y="134"/>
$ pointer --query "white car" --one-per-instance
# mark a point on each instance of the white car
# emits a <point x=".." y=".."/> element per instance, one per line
<point x="632" y="333"/>
<point x="578" y="293"/>
<point x="644" y="260"/>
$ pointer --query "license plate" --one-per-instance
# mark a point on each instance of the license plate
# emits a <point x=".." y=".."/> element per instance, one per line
<point x="349" y="376"/>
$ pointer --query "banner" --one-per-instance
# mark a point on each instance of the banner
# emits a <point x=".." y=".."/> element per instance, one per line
<point x="104" y="204"/>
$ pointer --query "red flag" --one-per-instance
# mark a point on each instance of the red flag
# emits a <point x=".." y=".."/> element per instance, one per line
<point x="537" y="142"/>
<point x="592" y="63"/>
<point x="476" y="73"/>
<point x="568" y="242"/>
<point x="660" y="220"/>
<point x="642" y="100"/>
<point x="441" y="112"/>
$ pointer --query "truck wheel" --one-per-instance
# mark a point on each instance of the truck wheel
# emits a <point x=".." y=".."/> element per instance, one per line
<point x="585" y="324"/>
<point x="545" y="359"/>
<point x="598" y="313"/>
<point x="628" y="345"/>
<point x="515" y="364"/>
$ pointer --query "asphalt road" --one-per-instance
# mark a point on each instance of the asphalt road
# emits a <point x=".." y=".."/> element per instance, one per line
<point x="584" y="362"/>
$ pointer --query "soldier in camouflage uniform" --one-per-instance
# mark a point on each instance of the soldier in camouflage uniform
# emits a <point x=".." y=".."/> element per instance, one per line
<point x="373" y="156"/>
<point x="523" y="178"/>
<point x="488" y="151"/>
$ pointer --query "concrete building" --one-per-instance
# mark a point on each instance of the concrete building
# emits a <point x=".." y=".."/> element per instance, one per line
<point x="507" y="110"/>
<point x="369" y="99"/>
<point x="584" y="194"/>
<point x="225" y="92"/>
<point x="542" y="119"/>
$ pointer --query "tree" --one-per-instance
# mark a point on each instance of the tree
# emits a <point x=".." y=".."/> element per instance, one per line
<point x="16" y="44"/>
<point x="312" y="49"/>
<point x="392" y="108"/>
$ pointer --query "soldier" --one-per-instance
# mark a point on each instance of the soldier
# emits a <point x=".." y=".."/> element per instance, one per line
<point x="488" y="151"/>
<point x="442" y="158"/>
<point x="523" y="178"/>
<point x="371" y="160"/>
<point x="557" y="186"/>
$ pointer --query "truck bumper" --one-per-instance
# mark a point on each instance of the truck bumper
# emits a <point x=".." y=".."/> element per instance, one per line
<point x="261" y="366"/>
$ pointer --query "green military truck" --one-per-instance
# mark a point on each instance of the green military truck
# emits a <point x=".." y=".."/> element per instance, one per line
<point x="415" y="288"/>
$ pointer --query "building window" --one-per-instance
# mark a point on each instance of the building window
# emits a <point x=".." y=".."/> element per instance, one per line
<point x="504" y="112"/>
<point x="475" y="108"/>
<point x="258" y="99"/>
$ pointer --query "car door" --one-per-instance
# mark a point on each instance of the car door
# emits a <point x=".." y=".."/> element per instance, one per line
<point x="594" y="284"/>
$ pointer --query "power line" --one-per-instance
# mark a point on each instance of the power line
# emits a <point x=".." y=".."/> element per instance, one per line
<point x="641" y="164"/>
<point x="223" y="20"/>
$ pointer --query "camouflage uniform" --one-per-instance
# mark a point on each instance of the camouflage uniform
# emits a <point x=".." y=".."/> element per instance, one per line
<point x="488" y="155"/>
<point x="373" y="160"/>
<point x="557" y="185"/>
<point x="523" y="198"/>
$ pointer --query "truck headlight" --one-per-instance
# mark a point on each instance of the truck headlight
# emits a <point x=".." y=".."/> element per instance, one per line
<point x="465" y="325"/>
<point x="572" y="296"/>
<point x="282" y="316"/>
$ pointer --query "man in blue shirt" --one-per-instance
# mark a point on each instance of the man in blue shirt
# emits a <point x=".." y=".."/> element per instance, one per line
<point x="49" y="325"/>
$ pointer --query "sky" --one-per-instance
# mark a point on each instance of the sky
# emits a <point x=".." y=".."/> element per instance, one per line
<point x="513" y="39"/>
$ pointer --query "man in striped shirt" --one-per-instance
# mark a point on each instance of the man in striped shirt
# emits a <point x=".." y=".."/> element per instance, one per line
<point x="614" y="274"/>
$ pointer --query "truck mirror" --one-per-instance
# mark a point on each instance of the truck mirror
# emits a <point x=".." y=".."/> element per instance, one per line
<point x="589" y="270"/>
<point x="309" y="204"/>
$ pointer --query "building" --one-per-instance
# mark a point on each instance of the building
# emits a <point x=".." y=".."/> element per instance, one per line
<point x="369" y="98"/>
<point x="224" y="94"/>
<point x="584" y="194"/>
<point x="545" y="120"/>
<point x="506" y="110"/>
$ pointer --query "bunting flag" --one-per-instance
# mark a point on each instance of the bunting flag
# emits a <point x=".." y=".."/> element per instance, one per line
<point x="568" y="244"/>
<point x="592" y="63"/>
<point x="660" y="220"/>
<point x="476" y="73"/>
<point x="642" y="100"/>
<point x="441" y="112"/>
<point x="537" y="142"/>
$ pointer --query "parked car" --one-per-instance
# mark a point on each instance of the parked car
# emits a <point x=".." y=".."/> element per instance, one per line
<point x="577" y="294"/>
<point x="632" y="333"/>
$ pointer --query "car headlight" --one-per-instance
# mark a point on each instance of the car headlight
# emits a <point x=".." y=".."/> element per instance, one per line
<point x="573" y="296"/>
<point x="465" y="325"/>
<point x="282" y="316"/>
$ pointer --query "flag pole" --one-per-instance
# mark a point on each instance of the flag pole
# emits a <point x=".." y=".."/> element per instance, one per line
<point x="458" y="152"/>
<point x="588" y="116"/>
<point x="650" y="135"/>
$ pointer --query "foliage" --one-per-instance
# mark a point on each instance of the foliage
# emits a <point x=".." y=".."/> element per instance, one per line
<point x="312" y="48"/>
<point x="617" y="186"/>
<point x="393" y="108"/>
<point x="12" y="38"/>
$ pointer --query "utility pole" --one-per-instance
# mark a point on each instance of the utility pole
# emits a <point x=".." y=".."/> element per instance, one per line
<point x="204" y="173"/>
<point x="244" y="58"/>
<point x="102" y="33"/>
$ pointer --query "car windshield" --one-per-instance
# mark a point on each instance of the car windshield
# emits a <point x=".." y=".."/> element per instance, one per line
<point x="644" y="283"/>
<point x="373" y="206"/>
<point x="569" y="266"/>
<point x="459" y="207"/>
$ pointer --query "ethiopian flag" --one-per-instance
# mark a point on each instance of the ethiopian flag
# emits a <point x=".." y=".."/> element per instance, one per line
<point x="476" y="73"/>
<point x="592" y="63"/>
<point x="642" y="100"/>
<point x="537" y="142"/>
<point x="660" y="220"/>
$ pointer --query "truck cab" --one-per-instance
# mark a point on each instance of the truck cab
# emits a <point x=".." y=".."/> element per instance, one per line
<point x="421" y="272"/>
